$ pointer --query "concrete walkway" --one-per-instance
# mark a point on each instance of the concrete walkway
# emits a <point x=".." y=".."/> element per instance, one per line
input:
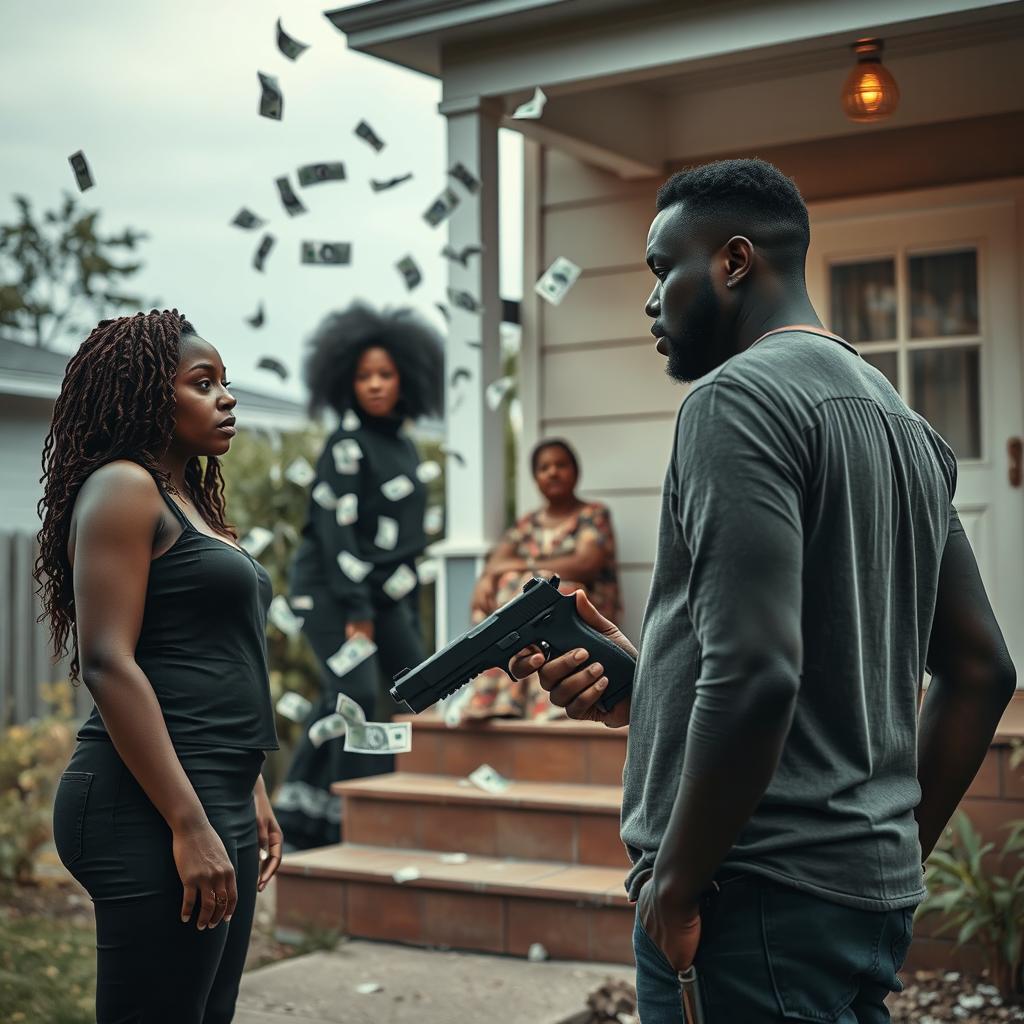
<point x="417" y="987"/>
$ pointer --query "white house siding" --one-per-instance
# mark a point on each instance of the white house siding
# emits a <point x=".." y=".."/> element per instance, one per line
<point x="23" y="425"/>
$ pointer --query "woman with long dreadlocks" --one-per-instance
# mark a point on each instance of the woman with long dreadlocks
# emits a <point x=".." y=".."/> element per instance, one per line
<point x="354" y="573"/>
<point x="162" y="812"/>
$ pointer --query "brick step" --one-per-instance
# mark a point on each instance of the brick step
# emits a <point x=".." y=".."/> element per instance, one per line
<point x="487" y="904"/>
<point x="561" y="751"/>
<point x="549" y="821"/>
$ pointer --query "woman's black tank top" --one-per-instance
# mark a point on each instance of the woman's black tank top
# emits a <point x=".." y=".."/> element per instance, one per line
<point x="203" y="644"/>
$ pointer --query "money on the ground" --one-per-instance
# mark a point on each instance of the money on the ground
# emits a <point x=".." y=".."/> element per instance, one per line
<point x="351" y="653"/>
<point x="266" y="244"/>
<point x="256" y="320"/>
<point x="489" y="780"/>
<point x="354" y="568"/>
<point x="290" y="47"/>
<point x="409" y="271"/>
<point x="427" y="471"/>
<point x="300" y="472"/>
<point x="351" y="420"/>
<point x="293" y="706"/>
<point x="83" y="176"/>
<point x="397" y="488"/>
<point x="441" y="208"/>
<point x="274" y="366"/>
<point x="247" y="220"/>
<point x="532" y="109"/>
<point x="256" y="540"/>
<point x="387" y="533"/>
<point x="428" y="570"/>
<point x="495" y="392"/>
<point x="461" y="255"/>
<point x="282" y="617"/>
<point x="327" y="254"/>
<point x="367" y="134"/>
<point x="289" y="199"/>
<point x="271" y="97"/>
<point x="323" y="494"/>
<point x="384" y="184"/>
<point x="349" y="709"/>
<point x="403" y="875"/>
<point x="433" y="519"/>
<point x="368" y="988"/>
<point x="557" y="280"/>
<point x="331" y="727"/>
<point x="401" y="582"/>
<point x="313" y="174"/>
<point x="463" y="300"/>
<point x="379" y="738"/>
<point x="347" y="511"/>
<point x="462" y="174"/>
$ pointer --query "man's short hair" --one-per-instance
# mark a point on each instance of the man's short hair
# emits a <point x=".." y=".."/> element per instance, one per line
<point x="751" y="197"/>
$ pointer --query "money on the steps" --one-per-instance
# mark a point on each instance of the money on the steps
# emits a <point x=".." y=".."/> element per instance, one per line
<point x="454" y="858"/>
<point x="463" y="300"/>
<point x="274" y="366"/>
<point x="427" y="471"/>
<point x="256" y="320"/>
<point x="409" y="271"/>
<point x="401" y="582"/>
<point x="351" y="420"/>
<point x="271" y="98"/>
<point x="461" y="173"/>
<point x="385" y="184"/>
<point x="290" y="47"/>
<point x="83" y="176"/>
<point x="367" y="134"/>
<point x="256" y="540"/>
<point x="387" y="533"/>
<point x="427" y="571"/>
<point x="247" y="220"/>
<point x="313" y="174"/>
<point x="397" y="488"/>
<point x="403" y="875"/>
<point x="557" y="280"/>
<point x="532" y="109"/>
<point x="266" y="244"/>
<point x="351" y="653"/>
<point x="441" y="208"/>
<point x="345" y="706"/>
<point x="489" y="780"/>
<point x="327" y="253"/>
<point x="462" y="255"/>
<point x="293" y="706"/>
<point x="288" y="197"/>
<point x="347" y="511"/>
<point x="300" y="472"/>
<point x="354" y="568"/>
<point x="433" y="519"/>
<point x="282" y="617"/>
<point x="329" y="728"/>
<point x="324" y="496"/>
<point x="379" y="738"/>
<point x="495" y="392"/>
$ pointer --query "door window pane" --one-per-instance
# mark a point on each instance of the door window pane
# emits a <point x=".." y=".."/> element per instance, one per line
<point x="863" y="300"/>
<point x="945" y="390"/>
<point x="944" y="294"/>
<point x="887" y="362"/>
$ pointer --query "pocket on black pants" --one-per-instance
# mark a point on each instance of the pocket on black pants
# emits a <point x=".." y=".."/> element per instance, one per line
<point x="69" y="815"/>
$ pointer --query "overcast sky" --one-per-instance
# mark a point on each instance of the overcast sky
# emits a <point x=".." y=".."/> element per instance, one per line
<point x="163" y="98"/>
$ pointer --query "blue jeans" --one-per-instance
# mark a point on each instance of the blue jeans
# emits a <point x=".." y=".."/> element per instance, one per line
<point x="770" y="953"/>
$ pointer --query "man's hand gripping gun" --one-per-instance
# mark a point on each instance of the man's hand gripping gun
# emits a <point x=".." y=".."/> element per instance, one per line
<point x="539" y="615"/>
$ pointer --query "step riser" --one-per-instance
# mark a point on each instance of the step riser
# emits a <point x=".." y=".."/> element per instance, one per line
<point x="524" y="758"/>
<point x="472" y="921"/>
<point x="572" y="837"/>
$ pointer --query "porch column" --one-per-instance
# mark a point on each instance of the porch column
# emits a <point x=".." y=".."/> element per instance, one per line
<point x="476" y="482"/>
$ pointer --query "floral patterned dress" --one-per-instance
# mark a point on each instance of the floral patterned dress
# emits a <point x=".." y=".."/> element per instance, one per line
<point x="494" y="694"/>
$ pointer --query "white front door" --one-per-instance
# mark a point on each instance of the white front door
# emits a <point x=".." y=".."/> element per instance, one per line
<point x="927" y="286"/>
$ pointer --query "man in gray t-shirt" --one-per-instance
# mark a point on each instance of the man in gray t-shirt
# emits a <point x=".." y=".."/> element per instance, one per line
<point x="779" y="793"/>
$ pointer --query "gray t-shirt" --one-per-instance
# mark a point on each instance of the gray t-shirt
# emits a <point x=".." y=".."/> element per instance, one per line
<point x="800" y="449"/>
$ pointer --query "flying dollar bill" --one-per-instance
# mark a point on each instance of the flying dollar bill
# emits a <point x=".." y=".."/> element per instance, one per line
<point x="351" y="421"/>
<point x="443" y="310"/>
<point x="290" y="47"/>
<point x="532" y="109"/>
<point x="384" y="184"/>
<point x="293" y="706"/>
<point x="452" y="453"/>
<point x="428" y="570"/>
<point x="289" y="199"/>
<point x="459" y="374"/>
<point x="489" y="780"/>
<point x="329" y="728"/>
<point x="274" y="366"/>
<point x="557" y="280"/>
<point x="427" y="471"/>
<point x="347" y="511"/>
<point x="441" y="208"/>
<point x="256" y="540"/>
<point x="313" y="174"/>
<point x="495" y="392"/>
<point x="433" y="519"/>
<point x="354" y="568"/>
<point x="349" y="709"/>
<point x="463" y="300"/>
<point x="256" y="320"/>
<point x="387" y="533"/>
<point x="266" y="244"/>
<point x="351" y="653"/>
<point x="462" y="174"/>
<point x="461" y="255"/>
<point x="346" y="461"/>
<point x="409" y="271"/>
<point x="367" y="134"/>
<point x="379" y="738"/>
<point x="300" y="472"/>
<point x="401" y="582"/>
<point x="397" y="488"/>
<point x="271" y="98"/>
<point x="327" y="253"/>
<point x="83" y="176"/>
<point x="323" y="494"/>
<point x="302" y="602"/>
<point x="281" y="616"/>
<point x="247" y="220"/>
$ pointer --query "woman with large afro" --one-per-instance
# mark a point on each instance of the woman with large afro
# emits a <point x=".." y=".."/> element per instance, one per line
<point x="354" y="573"/>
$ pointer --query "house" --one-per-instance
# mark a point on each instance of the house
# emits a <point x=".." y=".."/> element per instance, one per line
<point x="917" y="254"/>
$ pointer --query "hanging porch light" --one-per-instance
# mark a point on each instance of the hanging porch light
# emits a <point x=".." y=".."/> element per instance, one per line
<point x="870" y="93"/>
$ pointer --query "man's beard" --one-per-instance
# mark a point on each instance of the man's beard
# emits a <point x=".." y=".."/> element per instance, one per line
<point x="690" y="355"/>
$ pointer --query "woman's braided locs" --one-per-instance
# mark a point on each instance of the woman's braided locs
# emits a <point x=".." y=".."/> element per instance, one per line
<point x="116" y="402"/>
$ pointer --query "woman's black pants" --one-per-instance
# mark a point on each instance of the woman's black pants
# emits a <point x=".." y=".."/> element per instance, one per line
<point x="151" y="968"/>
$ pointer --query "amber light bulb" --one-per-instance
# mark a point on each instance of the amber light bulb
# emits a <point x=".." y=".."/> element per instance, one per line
<point x="870" y="92"/>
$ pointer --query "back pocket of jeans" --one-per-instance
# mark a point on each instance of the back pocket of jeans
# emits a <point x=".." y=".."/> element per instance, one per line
<point x="69" y="815"/>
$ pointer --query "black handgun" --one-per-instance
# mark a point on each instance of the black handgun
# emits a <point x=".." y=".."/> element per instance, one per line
<point x="539" y="615"/>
